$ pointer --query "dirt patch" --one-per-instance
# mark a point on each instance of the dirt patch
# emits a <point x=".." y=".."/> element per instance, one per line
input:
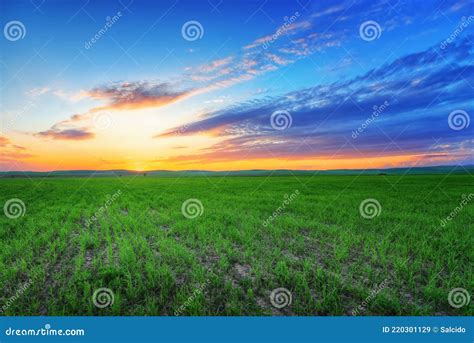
<point x="153" y="247"/>
<point x="243" y="270"/>
<point x="115" y="250"/>
<point x="291" y="256"/>
<point x="88" y="258"/>
<point x="115" y="254"/>
<point x="207" y="257"/>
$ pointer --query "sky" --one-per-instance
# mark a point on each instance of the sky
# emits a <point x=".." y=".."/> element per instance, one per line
<point x="226" y="85"/>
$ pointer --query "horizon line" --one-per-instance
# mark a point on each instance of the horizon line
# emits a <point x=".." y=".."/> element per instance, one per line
<point x="236" y="170"/>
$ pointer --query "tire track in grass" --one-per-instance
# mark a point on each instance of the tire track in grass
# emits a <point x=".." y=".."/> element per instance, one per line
<point x="171" y="255"/>
<point x="145" y="244"/>
<point x="296" y="254"/>
<point x="209" y="260"/>
<point x="328" y="263"/>
<point x="355" y="282"/>
<point x="58" y="271"/>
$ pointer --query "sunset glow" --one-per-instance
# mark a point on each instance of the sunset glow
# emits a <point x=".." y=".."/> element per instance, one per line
<point x="142" y="95"/>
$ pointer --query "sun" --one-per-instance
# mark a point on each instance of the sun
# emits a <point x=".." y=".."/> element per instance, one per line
<point x="137" y="167"/>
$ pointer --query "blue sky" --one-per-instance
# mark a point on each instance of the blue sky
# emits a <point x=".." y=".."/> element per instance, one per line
<point x="144" y="96"/>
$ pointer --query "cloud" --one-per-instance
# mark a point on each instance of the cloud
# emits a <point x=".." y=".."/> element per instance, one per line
<point x="330" y="10"/>
<point x="215" y="75"/>
<point x="287" y="28"/>
<point x="4" y="141"/>
<point x="215" y="65"/>
<point x="291" y="41"/>
<point x="36" y="92"/>
<point x="325" y="116"/>
<point x="11" y="153"/>
<point x="67" y="134"/>
<point x="117" y="97"/>
<point x="70" y="96"/>
<point x="457" y="6"/>
<point x="277" y="59"/>
<point x="258" y="42"/>
<point x="136" y="95"/>
<point x="296" y="38"/>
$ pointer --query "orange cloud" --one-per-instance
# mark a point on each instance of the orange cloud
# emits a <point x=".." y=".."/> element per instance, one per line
<point x="4" y="141"/>
<point x="118" y="97"/>
<point x="11" y="152"/>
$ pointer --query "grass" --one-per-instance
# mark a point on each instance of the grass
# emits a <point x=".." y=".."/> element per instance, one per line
<point x="228" y="260"/>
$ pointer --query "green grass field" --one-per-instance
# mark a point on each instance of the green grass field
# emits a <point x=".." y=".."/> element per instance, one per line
<point x="254" y="235"/>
